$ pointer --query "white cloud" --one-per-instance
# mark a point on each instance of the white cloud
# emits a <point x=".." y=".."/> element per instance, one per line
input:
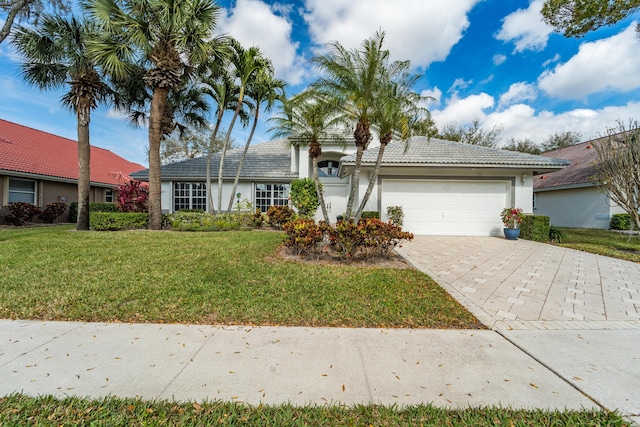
<point x="525" y="28"/>
<point x="518" y="92"/>
<point x="611" y="64"/>
<point x="499" y="59"/>
<point x="550" y="61"/>
<point x="459" y="84"/>
<point x="463" y="110"/>
<point x="254" y="23"/>
<point x="434" y="93"/>
<point x="418" y="30"/>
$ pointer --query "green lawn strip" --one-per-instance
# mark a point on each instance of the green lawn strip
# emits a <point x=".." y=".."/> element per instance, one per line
<point x="17" y="409"/>
<point x="225" y="277"/>
<point x="603" y="242"/>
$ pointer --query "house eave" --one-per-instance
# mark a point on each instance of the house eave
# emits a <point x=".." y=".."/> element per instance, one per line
<point x="18" y="174"/>
<point x="345" y="169"/>
<point x="565" y="187"/>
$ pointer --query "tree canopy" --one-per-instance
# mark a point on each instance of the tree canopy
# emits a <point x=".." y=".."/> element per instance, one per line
<point x="575" y="18"/>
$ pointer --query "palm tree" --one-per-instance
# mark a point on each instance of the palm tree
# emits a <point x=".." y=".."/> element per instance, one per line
<point x="354" y="79"/>
<point x="398" y="112"/>
<point x="307" y="119"/>
<point x="246" y="63"/>
<point x="169" y="38"/>
<point x="55" y="56"/>
<point x="264" y="88"/>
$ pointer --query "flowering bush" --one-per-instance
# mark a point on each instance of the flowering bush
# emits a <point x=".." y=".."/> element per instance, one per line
<point x="132" y="197"/>
<point x="512" y="217"/>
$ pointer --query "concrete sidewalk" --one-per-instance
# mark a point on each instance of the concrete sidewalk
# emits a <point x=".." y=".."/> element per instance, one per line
<point x="273" y="365"/>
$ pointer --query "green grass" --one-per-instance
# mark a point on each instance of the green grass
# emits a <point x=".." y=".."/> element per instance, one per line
<point x="603" y="242"/>
<point x="212" y="278"/>
<point x="22" y="410"/>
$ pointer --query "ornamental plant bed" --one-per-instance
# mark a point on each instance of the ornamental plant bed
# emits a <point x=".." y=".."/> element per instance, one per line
<point x="328" y="256"/>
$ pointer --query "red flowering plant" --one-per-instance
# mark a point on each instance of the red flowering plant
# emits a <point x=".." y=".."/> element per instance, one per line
<point x="512" y="217"/>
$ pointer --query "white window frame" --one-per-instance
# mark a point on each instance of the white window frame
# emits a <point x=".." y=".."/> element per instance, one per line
<point x="14" y="191"/>
<point x="109" y="195"/>
<point x="192" y="195"/>
<point x="266" y="194"/>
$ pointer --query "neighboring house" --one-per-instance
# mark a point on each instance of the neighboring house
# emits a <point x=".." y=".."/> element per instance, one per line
<point x="568" y="197"/>
<point x="444" y="187"/>
<point x="41" y="168"/>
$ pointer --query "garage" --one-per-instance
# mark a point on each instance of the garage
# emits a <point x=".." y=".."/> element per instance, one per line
<point x="448" y="207"/>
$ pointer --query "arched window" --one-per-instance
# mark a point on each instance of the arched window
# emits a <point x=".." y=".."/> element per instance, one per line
<point x="328" y="168"/>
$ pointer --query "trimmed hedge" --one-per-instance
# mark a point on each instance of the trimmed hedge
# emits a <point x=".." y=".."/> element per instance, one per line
<point x="370" y="214"/>
<point x="621" y="222"/>
<point x="535" y="227"/>
<point x="103" y="207"/>
<point x="203" y="221"/>
<point x="112" y="221"/>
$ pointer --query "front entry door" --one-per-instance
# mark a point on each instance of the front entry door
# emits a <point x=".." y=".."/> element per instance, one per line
<point x="335" y="197"/>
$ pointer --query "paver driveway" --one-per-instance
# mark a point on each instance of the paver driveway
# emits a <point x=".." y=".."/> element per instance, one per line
<point x="529" y="285"/>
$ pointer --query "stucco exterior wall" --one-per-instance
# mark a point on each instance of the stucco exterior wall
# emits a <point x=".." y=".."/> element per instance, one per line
<point x="584" y="207"/>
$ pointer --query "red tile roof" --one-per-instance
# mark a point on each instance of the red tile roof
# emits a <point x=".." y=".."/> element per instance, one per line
<point x="27" y="150"/>
<point x="581" y="157"/>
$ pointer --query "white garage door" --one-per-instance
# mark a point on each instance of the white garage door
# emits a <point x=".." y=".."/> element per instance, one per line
<point x="453" y="208"/>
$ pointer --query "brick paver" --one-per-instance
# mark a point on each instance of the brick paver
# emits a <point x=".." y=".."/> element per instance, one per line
<point x="529" y="285"/>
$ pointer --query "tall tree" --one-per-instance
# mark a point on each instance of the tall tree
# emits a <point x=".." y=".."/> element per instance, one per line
<point x="398" y="111"/>
<point x="185" y="145"/>
<point x="246" y="63"/>
<point x="55" y="56"/>
<point x="561" y="140"/>
<point x="617" y="165"/>
<point x="473" y="134"/>
<point x="307" y="120"/>
<point x="575" y="18"/>
<point x="525" y="145"/>
<point x="169" y="38"/>
<point x="354" y="77"/>
<point x="264" y="88"/>
<point x="28" y="10"/>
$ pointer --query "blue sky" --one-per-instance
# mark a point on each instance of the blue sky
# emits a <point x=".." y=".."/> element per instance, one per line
<point x="493" y="60"/>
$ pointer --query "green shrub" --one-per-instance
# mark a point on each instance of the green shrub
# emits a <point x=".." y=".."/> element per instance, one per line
<point x="345" y="238"/>
<point x="103" y="207"/>
<point x="395" y="215"/>
<point x="556" y="235"/>
<point x="73" y="212"/>
<point x="203" y="221"/>
<point x="380" y="238"/>
<point x="279" y="215"/>
<point x="112" y="221"/>
<point x="621" y="222"/>
<point x="370" y="214"/>
<point x="535" y="227"/>
<point x="304" y="196"/>
<point x="257" y="219"/>
<point x="52" y="212"/>
<point x="21" y="212"/>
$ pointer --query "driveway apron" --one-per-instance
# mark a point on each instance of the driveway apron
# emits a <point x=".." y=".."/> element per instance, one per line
<point x="529" y="285"/>
<point x="576" y="313"/>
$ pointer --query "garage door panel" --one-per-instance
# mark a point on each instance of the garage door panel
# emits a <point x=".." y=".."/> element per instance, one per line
<point x="440" y="207"/>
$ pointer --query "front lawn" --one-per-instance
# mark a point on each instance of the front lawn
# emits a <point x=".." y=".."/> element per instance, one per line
<point x="603" y="242"/>
<point x="22" y="410"/>
<point x="236" y="277"/>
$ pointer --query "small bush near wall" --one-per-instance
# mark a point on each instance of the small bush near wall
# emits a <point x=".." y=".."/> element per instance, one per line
<point x="52" y="212"/>
<point x="370" y="214"/>
<point x="112" y="221"/>
<point x="21" y="212"/>
<point x="535" y="227"/>
<point x="279" y="215"/>
<point x="621" y="222"/>
<point x="73" y="213"/>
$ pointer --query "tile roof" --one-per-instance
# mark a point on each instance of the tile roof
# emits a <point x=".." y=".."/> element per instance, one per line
<point x="27" y="150"/>
<point x="581" y="157"/>
<point x="437" y="152"/>
<point x="266" y="160"/>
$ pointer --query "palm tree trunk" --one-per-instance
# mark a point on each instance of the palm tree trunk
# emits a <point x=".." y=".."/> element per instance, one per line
<point x="210" y="206"/>
<point x="84" y="174"/>
<point x="158" y="102"/>
<point x="361" y="136"/>
<point x="225" y="145"/>
<point x="384" y="140"/>
<point x="244" y="154"/>
<point x="319" y="191"/>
